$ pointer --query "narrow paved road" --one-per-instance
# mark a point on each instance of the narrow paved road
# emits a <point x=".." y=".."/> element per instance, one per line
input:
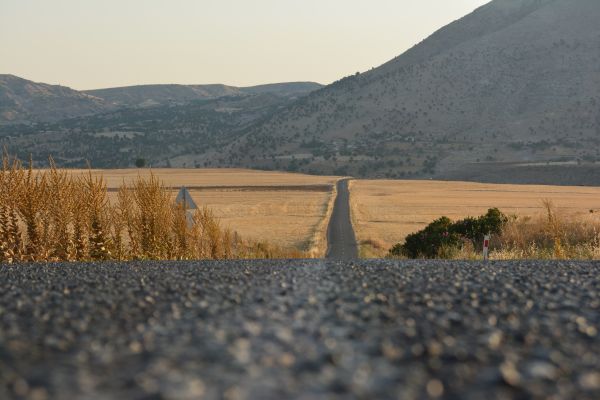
<point x="305" y="329"/>
<point x="340" y="234"/>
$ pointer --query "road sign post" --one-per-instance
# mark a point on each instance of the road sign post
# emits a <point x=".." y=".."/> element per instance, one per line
<point x="486" y="247"/>
<point x="184" y="198"/>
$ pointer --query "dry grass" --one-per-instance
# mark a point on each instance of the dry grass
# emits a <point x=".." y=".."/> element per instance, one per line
<point x="56" y="215"/>
<point x="177" y="177"/>
<point x="256" y="204"/>
<point x="549" y="235"/>
<point x="287" y="218"/>
<point x="317" y="246"/>
<point x="384" y="212"/>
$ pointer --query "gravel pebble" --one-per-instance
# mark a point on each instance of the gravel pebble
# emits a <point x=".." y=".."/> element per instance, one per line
<point x="300" y="329"/>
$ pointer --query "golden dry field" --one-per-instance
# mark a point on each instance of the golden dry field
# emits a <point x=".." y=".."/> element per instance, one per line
<point x="385" y="211"/>
<point x="177" y="177"/>
<point x="289" y="210"/>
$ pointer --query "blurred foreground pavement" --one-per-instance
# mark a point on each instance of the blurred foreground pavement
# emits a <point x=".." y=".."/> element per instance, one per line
<point x="300" y="329"/>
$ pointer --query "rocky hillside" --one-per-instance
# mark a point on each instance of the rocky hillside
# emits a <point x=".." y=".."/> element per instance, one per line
<point x="516" y="81"/>
<point x="23" y="100"/>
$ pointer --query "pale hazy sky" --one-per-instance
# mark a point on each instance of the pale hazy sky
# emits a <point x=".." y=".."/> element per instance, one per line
<point x="87" y="44"/>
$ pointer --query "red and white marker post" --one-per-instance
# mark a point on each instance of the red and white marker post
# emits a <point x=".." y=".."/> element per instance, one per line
<point x="486" y="247"/>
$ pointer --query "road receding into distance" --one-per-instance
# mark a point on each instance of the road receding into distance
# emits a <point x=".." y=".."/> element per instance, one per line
<point x="340" y="234"/>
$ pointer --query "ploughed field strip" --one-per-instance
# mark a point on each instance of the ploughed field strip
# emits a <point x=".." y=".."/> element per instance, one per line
<point x="300" y="329"/>
<point x="255" y="188"/>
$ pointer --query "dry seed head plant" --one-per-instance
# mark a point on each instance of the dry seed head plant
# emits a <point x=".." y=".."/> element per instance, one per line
<point x="52" y="215"/>
<point x="551" y="235"/>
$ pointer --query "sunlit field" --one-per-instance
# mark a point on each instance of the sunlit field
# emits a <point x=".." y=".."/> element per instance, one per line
<point x="385" y="211"/>
<point x="289" y="210"/>
<point x="177" y="177"/>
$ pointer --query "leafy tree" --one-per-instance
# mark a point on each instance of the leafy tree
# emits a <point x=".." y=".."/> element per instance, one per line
<point x="140" y="162"/>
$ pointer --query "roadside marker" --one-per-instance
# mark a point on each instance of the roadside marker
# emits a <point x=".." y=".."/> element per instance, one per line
<point x="184" y="197"/>
<point x="486" y="247"/>
<point x="189" y="205"/>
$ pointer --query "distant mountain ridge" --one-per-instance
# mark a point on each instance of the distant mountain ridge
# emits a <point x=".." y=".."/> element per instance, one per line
<point x="149" y="95"/>
<point x="22" y="100"/>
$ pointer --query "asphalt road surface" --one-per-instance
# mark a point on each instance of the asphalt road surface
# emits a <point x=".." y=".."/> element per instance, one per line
<point x="340" y="234"/>
<point x="300" y="330"/>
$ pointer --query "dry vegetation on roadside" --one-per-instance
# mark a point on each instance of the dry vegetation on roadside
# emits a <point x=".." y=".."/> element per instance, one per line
<point x="549" y="235"/>
<point x="288" y="210"/>
<point x="385" y="212"/>
<point x="292" y="219"/>
<point x="54" y="215"/>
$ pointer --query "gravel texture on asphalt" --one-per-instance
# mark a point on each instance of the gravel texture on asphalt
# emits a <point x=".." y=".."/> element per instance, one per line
<point x="300" y="329"/>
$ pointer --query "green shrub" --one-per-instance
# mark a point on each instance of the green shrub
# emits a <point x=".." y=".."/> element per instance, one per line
<point x="474" y="229"/>
<point x="443" y="238"/>
<point x="429" y="242"/>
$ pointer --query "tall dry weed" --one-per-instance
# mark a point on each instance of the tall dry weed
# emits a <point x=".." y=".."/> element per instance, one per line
<point x="552" y="235"/>
<point x="59" y="210"/>
<point x="53" y="215"/>
<point x="31" y="206"/>
<point x="149" y="214"/>
<point x="11" y="241"/>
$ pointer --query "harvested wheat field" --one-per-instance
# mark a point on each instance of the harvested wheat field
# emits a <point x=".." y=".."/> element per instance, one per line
<point x="385" y="211"/>
<point x="215" y="177"/>
<point x="286" y="209"/>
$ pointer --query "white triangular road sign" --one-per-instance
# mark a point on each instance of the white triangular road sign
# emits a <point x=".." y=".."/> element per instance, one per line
<point x="184" y="197"/>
